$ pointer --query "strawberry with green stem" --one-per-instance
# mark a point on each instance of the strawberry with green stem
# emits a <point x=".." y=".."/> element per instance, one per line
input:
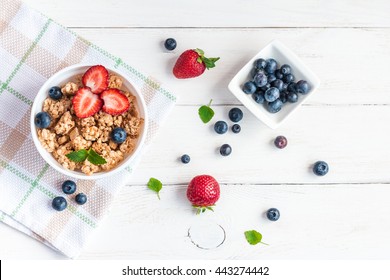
<point x="203" y="192"/>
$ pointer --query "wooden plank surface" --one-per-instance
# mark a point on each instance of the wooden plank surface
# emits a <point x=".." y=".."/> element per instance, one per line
<point x="343" y="215"/>
<point x="229" y="13"/>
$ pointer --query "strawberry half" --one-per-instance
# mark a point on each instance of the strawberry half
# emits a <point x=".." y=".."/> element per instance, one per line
<point x="115" y="102"/>
<point x="85" y="103"/>
<point x="96" y="78"/>
<point x="203" y="191"/>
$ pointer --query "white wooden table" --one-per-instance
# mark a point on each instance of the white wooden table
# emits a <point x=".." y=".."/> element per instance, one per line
<point x="343" y="215"/>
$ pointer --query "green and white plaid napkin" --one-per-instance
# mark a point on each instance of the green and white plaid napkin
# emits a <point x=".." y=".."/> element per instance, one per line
<point x="32" y="48"/>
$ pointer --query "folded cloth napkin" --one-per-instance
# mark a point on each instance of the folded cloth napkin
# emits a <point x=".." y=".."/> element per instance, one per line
<point x="32" y="48"/>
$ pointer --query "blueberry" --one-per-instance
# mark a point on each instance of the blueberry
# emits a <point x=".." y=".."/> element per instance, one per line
<point x="271" y="66"/>
<point x="235" y="114"/>
<point x="292" y="87"/>
<point x="278" y="84"/>
<point x="283" y="96"/>
<point x="59" y="203"/>
<point x="55" y="93"/>
<point x="42" y="120"/>
<point x="292" y="97"/>
<point x="275" y="106"/>
<point x="68" y="187"/>
<point x="280" y="142"/>
<point x="170" y="44"/>
<point x="118" y="135"/>
<point x="288" y="78"/>
<point x="273" y="214"/>
<point x="264" y="88"/>
<point x="285" y="69"/>
<point x="278" y="74"/>
<point x="271" y="94"/>
<point x="260" y="63"/>
<point x="254" y="71"/>
<point x="271" y="78"/>
<point x="284" y="87"/>
<point x="220" y="127"/>
<point x="225" y="150"/>
<point x="303" y="87"/>
<point x="249" y="88"/>
<point x="81" y="199"/>
<point x="320" y="168"/>
<point x="185" y="158"/>
<point x="258" y="97"/>
<point x="260" y="79"/>
<point x="236" y="128"/>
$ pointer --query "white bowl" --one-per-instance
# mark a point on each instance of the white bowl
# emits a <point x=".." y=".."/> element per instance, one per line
<point x="282" y="55"/>
<point x="62" y="77"/>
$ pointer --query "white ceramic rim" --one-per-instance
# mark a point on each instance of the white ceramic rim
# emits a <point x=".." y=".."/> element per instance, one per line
<point x="257" y="109"/>
<point x="78" y="174"/>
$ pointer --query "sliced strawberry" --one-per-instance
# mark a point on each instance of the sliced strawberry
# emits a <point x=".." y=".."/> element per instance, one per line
<point x="85" y="103"/>
<point x="115" y="102"/>
<point x="96" y="78"/>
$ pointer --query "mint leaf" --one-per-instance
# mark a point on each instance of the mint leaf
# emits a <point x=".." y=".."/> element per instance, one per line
<point x="79" y="156"/>
<point x="95" y="158"/>
<point x="206" y="113"/>
<point x="155" y="185"/>
<point x="254" y="237"/>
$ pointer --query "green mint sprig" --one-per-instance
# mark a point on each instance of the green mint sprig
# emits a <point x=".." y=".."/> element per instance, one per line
<point x="155" y="185"/>
<point x="206" y="113"/>
<point x="254" y="237"/>
<point x="83" y="154"/>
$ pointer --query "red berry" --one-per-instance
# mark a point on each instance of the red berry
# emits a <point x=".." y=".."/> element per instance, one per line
<point x="96" y="78"/>
<point x="203" y="192"/>
<point x="115" y="102"/>
<point x="85" y="103"/>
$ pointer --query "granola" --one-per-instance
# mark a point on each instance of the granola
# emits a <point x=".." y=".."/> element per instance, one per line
<point x="68" y="133"/>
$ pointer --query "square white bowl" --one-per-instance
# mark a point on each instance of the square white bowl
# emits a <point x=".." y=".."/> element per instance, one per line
<point x="282" y="55"/>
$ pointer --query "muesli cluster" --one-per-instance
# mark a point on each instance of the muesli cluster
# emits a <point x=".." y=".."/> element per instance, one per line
<point x="91" y="123"/>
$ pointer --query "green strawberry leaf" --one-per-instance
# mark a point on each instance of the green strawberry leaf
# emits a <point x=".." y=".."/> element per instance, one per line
<point x="78" y="156"/>
<point x="206" y="113"/>
<point x="254" y="237"/>
<point x="155" y="185"/>
<point x="210" y="62"/>
<point x="95" y="158"/>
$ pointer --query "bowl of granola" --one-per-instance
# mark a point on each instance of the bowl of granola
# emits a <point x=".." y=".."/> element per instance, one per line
<point x="88" y="122"/>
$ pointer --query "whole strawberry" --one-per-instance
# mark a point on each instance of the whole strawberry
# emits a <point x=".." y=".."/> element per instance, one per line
<point x="203" y="192"/>
<point x="192" y="63"/>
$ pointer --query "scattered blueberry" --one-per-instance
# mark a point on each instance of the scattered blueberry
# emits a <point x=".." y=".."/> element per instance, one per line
<point x="273" y="214"/>
<point x="185" y="158"/>
<point x="271" y="78"/>
<point x="170" y="44"/>
<point x="55" y="93"/>
<point x="249" y="88"/>
<point x="278" y="84"/>
<point x="258" y="97"/>
<point x="59" y="203"/>
<point x="42" y="120"/>
<point x="260" y="63"/>
<point x="278" y="74"/>
<point x="225" y="150"/>
<point x="288" y="78"/>
<point x="270" y="66"/>
<point x="68" y="187"/>
<point x="285" y="69"/>
<point x="220" y="127"/>
<point x="283" y="96"/>
<point x="292" y="97"/>
<point x="271" y="94"/>
<point x="320" y="168"/>
<point x="303" y="87"/>
<point x="118" y="135"/>
<point x="236" y="128"/>
<point x="292" y="87"/>
<point x="81" y="199"/>
<point x="280" y="142"/>
<point x="275" y="106"/>
<point x="260" y="79"/>
<point x="235" y="114"/>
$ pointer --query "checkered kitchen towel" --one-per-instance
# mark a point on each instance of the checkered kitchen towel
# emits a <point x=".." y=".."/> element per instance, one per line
<point x="32" y="48"/>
